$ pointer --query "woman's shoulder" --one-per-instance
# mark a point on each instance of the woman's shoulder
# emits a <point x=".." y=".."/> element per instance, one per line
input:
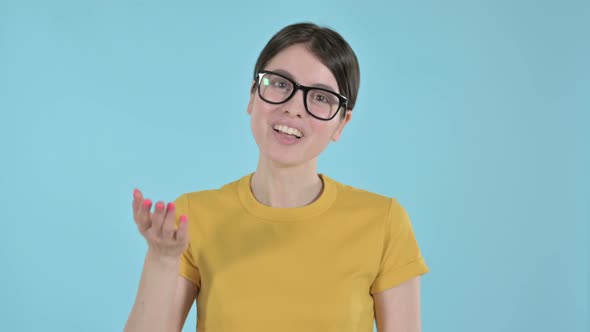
<point x="359" y="195"/>
<point x="223" y="191"/>
<point x="352" y="198"/>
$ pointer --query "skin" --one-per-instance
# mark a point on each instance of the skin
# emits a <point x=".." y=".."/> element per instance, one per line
<point x="286" y="176"/>
<point x="160" y="286"/>
<point x="398" y="309"/>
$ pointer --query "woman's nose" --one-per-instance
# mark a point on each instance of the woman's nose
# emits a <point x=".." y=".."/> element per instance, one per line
<point x="296" y="105"/>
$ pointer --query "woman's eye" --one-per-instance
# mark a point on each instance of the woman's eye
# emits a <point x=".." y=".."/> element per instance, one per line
<point x="280" y="84"/>
<point x="321" y="98"/>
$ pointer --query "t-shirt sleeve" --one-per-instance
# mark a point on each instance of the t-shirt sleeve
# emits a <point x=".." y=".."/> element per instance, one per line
<point x="188" y="266"/>
<point x="401" y="259"/>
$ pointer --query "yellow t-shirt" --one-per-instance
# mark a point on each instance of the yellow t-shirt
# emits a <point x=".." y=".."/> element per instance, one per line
<point x="312" y="268"/>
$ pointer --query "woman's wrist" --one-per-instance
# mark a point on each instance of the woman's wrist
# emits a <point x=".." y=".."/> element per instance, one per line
<point x="165" y="262"/>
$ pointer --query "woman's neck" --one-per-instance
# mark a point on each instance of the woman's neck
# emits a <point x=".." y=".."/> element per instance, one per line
<point x="286" y="187"/>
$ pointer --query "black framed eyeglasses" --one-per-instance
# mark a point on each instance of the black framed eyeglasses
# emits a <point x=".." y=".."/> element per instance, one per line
<point x="320" y="103"/>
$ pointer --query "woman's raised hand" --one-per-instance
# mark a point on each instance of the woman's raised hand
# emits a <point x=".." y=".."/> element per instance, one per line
<point x="158" y="227"/>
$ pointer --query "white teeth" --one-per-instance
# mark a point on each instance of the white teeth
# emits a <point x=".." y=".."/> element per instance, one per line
<point x="288" y="130"/>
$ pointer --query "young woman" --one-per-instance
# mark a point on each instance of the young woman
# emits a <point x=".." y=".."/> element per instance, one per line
<point x="284" y="248"/>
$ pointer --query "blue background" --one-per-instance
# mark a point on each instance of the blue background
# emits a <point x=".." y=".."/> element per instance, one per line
<point x="474" y="114"/>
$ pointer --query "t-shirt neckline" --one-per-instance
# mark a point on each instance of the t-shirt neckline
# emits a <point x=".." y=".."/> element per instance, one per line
<point x="314" y="209"/>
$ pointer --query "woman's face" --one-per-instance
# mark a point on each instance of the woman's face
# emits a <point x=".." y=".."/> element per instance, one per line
<point x="299" y="64"/>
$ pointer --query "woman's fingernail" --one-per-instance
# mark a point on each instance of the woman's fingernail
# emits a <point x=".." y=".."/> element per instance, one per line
<point x="147" y="203"/>
<point x="183" y="218"/>
<point x="170" y="206"/>
<point x="135" y="193"/>
<point x="160" y="206"/>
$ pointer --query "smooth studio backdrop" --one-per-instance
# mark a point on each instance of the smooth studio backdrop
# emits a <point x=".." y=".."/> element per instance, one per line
<point x="474" y="114"/>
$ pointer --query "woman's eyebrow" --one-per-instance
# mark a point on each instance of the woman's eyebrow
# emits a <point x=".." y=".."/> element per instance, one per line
<point x="318" y="85"/>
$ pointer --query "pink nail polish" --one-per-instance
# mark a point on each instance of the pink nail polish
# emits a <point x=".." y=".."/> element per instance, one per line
<point x="147" y="203"/>
<point x="183" y="218"/>
<point x="160" y="206"/>
<point x="135" y="193"/>
<point x="170" y="206"/>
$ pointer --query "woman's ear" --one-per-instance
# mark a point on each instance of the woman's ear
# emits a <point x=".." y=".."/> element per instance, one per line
<point x="341" y="125"/>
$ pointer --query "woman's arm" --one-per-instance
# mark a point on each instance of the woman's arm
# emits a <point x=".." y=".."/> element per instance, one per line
<point x="163" y="299"/>
<point x="398" y="309"/>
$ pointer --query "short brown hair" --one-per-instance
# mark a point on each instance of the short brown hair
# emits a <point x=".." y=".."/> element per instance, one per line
<point x="326" y="44"/>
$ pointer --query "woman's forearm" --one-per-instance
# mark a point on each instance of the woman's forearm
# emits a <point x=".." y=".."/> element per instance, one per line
<point x="152" y="310"/>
